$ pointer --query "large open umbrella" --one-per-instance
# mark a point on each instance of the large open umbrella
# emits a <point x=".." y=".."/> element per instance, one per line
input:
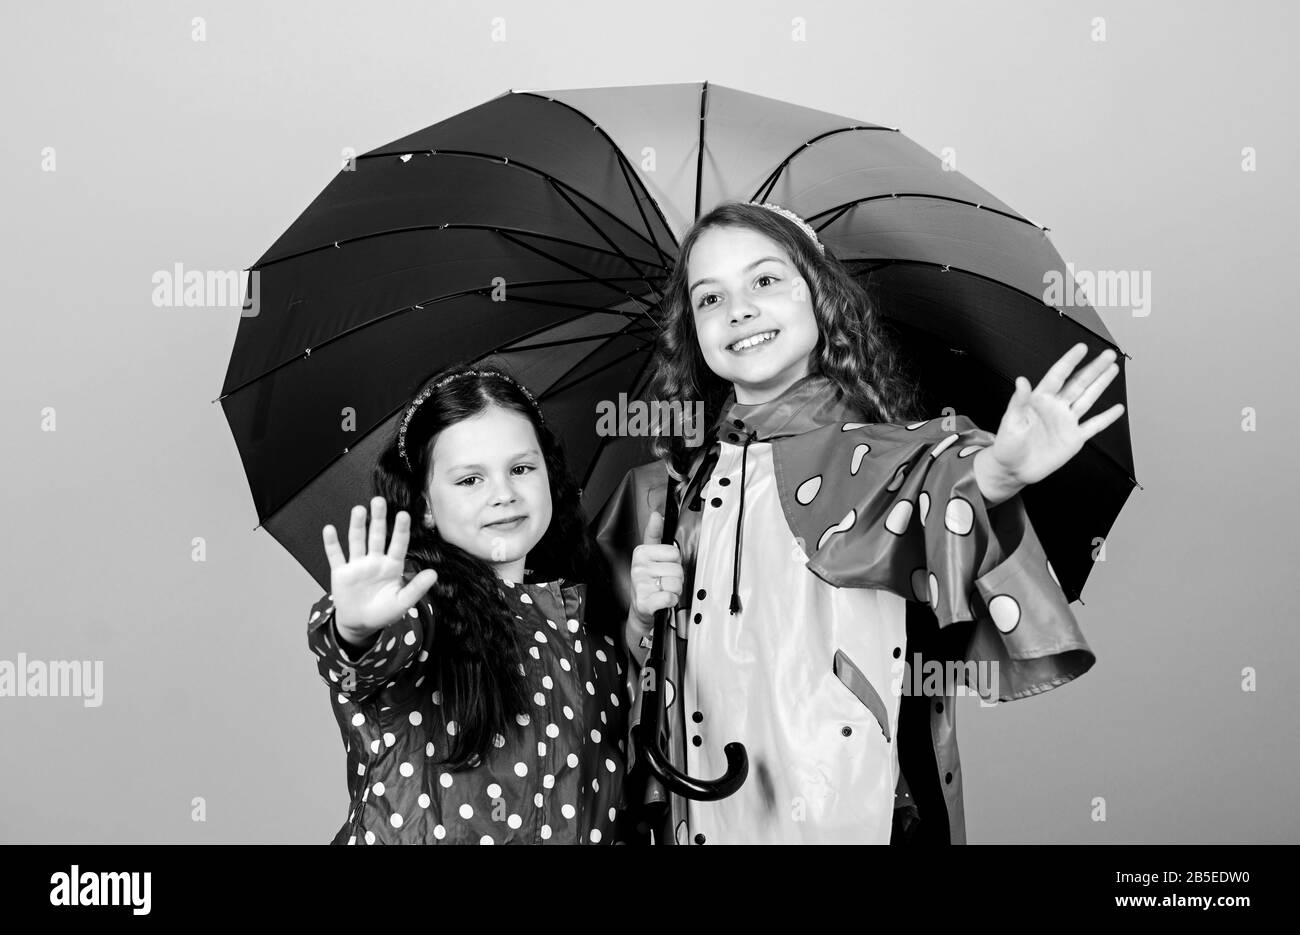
<point x="538" y="228"/>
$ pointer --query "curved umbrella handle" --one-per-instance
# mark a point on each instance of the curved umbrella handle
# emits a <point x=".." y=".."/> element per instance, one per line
<point x="646" y="736"/>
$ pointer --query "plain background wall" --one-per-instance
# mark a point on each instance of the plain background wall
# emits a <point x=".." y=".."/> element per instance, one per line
<point x="175" y="151"/>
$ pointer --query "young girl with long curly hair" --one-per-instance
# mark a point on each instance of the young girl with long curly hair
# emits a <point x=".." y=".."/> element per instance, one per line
<point x="822" y="503"/>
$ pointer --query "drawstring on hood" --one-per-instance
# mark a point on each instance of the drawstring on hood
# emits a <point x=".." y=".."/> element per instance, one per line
<point x="811" y="402"/>
<point x="740" y="517"/>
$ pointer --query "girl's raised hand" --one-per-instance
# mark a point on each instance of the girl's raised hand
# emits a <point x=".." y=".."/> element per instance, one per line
<point x="657" y="573"/>
<point x="1040" y="430"/>
<point x="367" y="585"/>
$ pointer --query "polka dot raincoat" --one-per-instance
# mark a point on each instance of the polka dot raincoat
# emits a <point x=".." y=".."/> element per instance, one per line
<point x="558" y="779"/>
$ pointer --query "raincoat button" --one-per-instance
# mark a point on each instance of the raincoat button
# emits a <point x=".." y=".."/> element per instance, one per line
<point x="697" y="740"/>
<point x="737" y="423"/>
<point x="698" y="617"/>
<point x="733" y="437"/>
<point x="699" y="839"/>
<point x="716" y="501"/>
<point x="938" y="706"/>
<point x="947" y="778"/>
<point x="846" y="730"/>
<point x="699" y="595"/>
<point x="697" y="716"/>
<point x="898" y="651"/>
<point x="724" y="481"/>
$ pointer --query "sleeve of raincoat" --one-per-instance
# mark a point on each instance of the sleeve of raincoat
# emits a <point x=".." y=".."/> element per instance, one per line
<point x="618" y="528"/>
<point x="898" y="507"/>
<point x="398" y="646"/>
<point x="620" y="525"/>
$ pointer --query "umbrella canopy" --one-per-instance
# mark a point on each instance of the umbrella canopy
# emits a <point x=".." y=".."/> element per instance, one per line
<point x="538" y="228"/>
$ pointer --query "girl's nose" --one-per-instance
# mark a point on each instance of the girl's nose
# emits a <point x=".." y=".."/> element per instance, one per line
<point x="503" y="492"/>
<point x="742" y="311"/>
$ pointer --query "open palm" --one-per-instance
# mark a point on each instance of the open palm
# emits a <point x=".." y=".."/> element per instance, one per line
<point x="1040" y="430"/>
<point x="367" y="585"/>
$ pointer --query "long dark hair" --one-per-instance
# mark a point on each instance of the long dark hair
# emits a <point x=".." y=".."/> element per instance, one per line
<point x="477" y="655"/>
<point x="852" y="349"/>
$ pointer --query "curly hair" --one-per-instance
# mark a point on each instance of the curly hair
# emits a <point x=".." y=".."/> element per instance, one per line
<point x="477" y="654"/>
<point x="852" y="349"/>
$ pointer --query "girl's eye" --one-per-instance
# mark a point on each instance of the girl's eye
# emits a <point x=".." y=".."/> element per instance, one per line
<point x="704" y="303"/>
<point x="462" y="481"/>
<point x="526" y="467"/>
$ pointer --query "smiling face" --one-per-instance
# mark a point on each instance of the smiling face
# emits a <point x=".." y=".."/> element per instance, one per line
<point x="753" y="312"/>
<point x="489" y="490"/>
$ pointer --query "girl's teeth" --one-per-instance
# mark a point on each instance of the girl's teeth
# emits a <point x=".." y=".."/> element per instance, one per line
<point x="757" y="339"/>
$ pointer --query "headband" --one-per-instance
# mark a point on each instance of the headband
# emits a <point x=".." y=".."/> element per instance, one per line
<point x="800" y="222"/>
<point x="424" y="394"/>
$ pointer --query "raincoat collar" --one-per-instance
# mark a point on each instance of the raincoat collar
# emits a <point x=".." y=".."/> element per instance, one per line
<point x="809" y="403"/>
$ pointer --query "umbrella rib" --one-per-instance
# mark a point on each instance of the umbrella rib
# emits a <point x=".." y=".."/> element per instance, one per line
<point x="664" y="258"/>
<point x="841" y="208"/>
<point x="604" y="439"/>
<point x="307" y="483"/>
<point x="447" y="226"/>
<point x="699" y="154"/>
<point x="765" y="188"/>
<point x="640" y="273"/>
<point x="554" y="259"/>
<point x="622" y="160"/>
<point x="418" y="305"/>
<point x="557" y="386"/>
<point x="289" y="499"/>
<point x="564" y="342"/>
<point x="587" y="309"/>
<point x="647" y="238"/>
<point x="890" y="261"/>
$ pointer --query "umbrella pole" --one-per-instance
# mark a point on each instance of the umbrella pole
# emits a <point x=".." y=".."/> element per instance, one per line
<point x="647" y="736"/>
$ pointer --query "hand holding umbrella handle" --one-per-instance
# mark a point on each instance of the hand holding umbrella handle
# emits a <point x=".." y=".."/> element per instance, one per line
<point x="646" y="735"/>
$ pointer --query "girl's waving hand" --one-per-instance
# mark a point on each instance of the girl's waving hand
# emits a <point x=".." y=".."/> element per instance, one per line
<point x="1040" y="430"/>
<point x="367" y="585"/>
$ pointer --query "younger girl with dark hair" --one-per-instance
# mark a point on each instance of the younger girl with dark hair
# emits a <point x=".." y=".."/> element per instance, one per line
<point x="479" y="701"/>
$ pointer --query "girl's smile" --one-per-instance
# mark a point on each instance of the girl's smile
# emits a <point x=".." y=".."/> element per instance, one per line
<point x="509" y="524"/>
<point x="753" y="312"/>
<point x="752" y="342"/>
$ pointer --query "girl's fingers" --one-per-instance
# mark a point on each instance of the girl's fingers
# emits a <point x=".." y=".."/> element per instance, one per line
<point x="357" y="533"/>
<point x="670" y="584"/>
<point x="401" y="536"/>
<point x="332" y="550"/>
<point x="662" y="569"/>
<point x="1085" y="377"/>
<point x="417" y="587"/>
<point x="654" y="528"/>
<point x="656" y="602"/>
<point x="1089" y="395"/>
<point x="662" y="599"/>
<point x="1056" y="377"/>
<point x="657" y="553"/>
<point x="1097" y="423"/>
<point x="378" y="525"/>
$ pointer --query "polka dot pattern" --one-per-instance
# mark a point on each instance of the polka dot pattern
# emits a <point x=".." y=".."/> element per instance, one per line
<point x="902" y="513"/>
<point x="541" y="781"/>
